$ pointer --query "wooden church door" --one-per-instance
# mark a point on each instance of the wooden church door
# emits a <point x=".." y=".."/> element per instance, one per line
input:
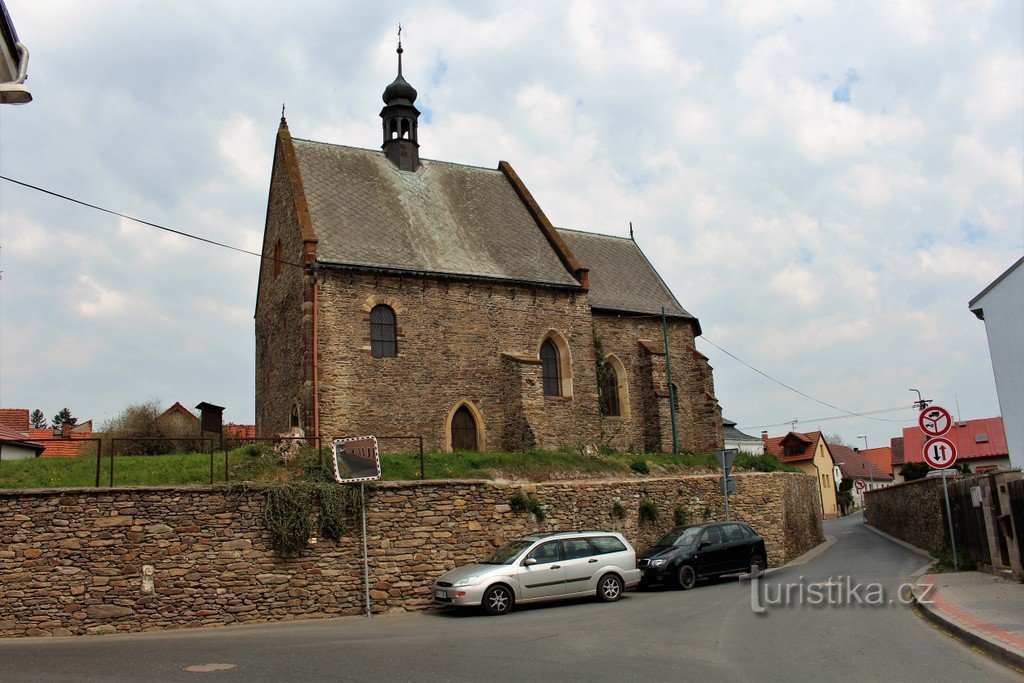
<point x="463" y="430"/>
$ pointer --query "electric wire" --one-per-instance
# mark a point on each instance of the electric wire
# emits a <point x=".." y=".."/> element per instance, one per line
<point x="489" y="305"/>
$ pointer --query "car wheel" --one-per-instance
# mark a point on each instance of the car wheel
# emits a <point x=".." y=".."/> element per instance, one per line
<point x="757" y="565"/>
<point x="687" y="577"/>
<point x="498" y="600"/>
<point x="609" y="588"/>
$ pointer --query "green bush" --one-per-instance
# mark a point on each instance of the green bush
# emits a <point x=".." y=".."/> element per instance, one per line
<point x="521" y="502"/>
<point x="618" y="511"/>
<point x="648" y="511"/>
<point x="708" y="513"/>
<point x="679" y="516"/>
<point x="293" y="512"/>
<point x="640" y="465"/>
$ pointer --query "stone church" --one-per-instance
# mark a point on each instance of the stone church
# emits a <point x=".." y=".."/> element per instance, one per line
<point x="402" y="296"/>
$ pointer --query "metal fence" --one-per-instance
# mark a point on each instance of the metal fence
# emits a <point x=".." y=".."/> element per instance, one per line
<point x="108" y="448"/>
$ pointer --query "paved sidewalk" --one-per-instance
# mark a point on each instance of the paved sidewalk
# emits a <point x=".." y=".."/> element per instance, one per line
<point x="985" y="610"/>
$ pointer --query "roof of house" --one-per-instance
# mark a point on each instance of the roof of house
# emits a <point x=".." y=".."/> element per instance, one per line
<point x="17" y="438"/>
<point x="621" y="277"/>
<point x="873" y="463"/>
<point x="974" y="439"/>
<point x="14" y="418"/>
<point x="443" y="218"/>
<point x="57" y="447"/>
<point x="730" y="432"/>
<point x="973" y="304"/>
<point x="896" y="444"/>
<point x="177" y="408"/>
<point x="804" y="443"/>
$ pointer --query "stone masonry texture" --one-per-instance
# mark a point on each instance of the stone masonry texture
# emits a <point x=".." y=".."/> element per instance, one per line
<point x="912" y="512"/>
<point x="72" y="561"/>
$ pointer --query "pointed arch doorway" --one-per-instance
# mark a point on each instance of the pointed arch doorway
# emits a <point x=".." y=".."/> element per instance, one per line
<point x="465" y="428"/>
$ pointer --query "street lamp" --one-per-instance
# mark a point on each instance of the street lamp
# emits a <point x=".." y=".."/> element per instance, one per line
<point x="864" y="436"/>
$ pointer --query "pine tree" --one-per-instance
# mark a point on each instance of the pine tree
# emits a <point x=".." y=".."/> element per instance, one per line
<point x="64" y="417"/>
<point x="37" y="419"/>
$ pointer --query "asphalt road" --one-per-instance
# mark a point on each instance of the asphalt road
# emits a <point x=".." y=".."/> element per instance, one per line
<point x="708" y="633"/>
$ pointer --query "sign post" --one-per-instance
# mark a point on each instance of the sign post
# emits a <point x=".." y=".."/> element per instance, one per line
<point x="726" y="458"/>
<point x="940" y="454"/>
<point x="357" y="459"/>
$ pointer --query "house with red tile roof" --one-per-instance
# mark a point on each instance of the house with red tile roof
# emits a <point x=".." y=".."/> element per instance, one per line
<point x="871" y="467"/>
<point x="981" y="444"/>
<point x="14" y="445"/>
<point x="811" y="454"/>
<point x="53" y="445"/>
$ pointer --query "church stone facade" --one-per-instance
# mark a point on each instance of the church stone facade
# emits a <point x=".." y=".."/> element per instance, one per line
<point x="401" y="296"/>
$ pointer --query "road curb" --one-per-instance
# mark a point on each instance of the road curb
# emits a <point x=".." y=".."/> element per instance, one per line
<point x="897" y="541"/>
<point x="1000" y="651"/>
<point x="807" y="556"/>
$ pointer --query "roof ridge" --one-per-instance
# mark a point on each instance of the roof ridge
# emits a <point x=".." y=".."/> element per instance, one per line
<point x="377" y="151"/>
<point x="595" y="234"/>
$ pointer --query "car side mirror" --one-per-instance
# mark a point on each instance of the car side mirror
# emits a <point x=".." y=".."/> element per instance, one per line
<point x="530" y="561"/>
<point x="704" y="543"/>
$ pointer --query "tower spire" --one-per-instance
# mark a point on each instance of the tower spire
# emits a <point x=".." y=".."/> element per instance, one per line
<point x="401" y="120"/>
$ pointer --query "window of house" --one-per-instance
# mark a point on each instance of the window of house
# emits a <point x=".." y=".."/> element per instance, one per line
<point x="550" y="375"/>
<point x="383" y="338"/>
<point x="610" y="391"/>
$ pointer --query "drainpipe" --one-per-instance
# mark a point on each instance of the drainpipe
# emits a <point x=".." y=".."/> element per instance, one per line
<point x="316" y="352"/>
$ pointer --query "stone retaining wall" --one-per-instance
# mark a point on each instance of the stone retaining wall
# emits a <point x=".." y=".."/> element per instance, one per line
<point x="912" y="512"/>
<point x="73" y="561"/>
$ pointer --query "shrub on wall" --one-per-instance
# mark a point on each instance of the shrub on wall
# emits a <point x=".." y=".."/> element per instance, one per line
<point x="679" y="516"/>
<point x="618" y="511"/>
<point x="640" y="466"/>
<point x="293" y="512"/>
<point x="648" y="511"/>
<point x="521" y="502"/>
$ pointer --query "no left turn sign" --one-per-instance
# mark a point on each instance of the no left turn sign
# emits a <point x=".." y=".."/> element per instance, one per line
<point x="934" y="421"/>
<point x="940" y="453"/>
<point x="861" y="485"/>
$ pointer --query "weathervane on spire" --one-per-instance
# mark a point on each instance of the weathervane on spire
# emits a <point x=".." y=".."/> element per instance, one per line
<point x="399" y="49"/>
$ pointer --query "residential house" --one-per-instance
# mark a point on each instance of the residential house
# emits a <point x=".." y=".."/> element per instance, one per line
<point x="1001" y="306"/>
<point x="400" y="295"/>
<point x="55" y="443"/>
<point x="734" y="438"/>
<point x="811" y="454"/>
<point x="981" y="444"/>
<point x="868" y="469"/>
<point x="15" y="445"/>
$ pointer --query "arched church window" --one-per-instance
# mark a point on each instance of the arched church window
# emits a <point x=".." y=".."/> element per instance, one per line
<point x="383" y="332"/>
<point x="550" y="376"/>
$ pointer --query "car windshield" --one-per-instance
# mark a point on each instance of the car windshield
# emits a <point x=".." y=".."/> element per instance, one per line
<point x="685" y="536"/>
<point x="508" y="553"/>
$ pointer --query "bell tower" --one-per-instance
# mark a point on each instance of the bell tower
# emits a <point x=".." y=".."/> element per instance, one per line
<point x="400" y="121"/>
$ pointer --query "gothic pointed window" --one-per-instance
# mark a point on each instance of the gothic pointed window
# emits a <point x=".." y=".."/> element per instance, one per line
<point x="383" y="336"/>
<point x="549" y="369"/>
<point x="610" y="391"/>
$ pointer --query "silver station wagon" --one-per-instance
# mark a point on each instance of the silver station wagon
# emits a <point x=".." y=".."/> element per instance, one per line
<point x="553" y="566"/>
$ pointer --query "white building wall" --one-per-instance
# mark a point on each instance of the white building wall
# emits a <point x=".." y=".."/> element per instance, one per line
<point x="1003" y="308"/>
<point x="12" y="452"/>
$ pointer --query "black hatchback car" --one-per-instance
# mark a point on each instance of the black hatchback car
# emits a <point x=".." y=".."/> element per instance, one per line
<point x="688" y="553"/>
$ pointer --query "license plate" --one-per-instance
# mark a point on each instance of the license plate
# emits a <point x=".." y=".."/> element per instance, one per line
<point x="440" y="594"/>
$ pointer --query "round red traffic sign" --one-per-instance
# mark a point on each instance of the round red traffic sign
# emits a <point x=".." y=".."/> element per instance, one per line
<point x="940" y="453"/>
<point x="934" y="421"/>
<point x="861" y="485"/>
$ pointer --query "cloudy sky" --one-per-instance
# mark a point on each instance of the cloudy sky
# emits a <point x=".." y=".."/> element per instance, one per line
<point x="824" y="185"/>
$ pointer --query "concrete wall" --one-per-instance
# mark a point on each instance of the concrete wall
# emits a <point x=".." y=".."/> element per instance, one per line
<point x="1003" y="308"/>
<point x="911" y="511"/>
<point x="72" y="561"/>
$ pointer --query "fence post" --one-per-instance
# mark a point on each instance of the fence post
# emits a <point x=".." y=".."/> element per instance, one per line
<point x="423" y="469"/>
<point x="225" y="465"/>
<point x="211" y="462"/>
<point x="99" y="458"/>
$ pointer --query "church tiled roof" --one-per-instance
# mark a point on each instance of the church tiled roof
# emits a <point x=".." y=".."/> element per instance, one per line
<point x="621" y="277"/>
<point x="443" y="218"/>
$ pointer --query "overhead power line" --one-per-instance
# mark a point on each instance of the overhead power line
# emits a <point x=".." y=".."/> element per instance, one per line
<point x="142" y="222"/>
<point x="182" y="233"/>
